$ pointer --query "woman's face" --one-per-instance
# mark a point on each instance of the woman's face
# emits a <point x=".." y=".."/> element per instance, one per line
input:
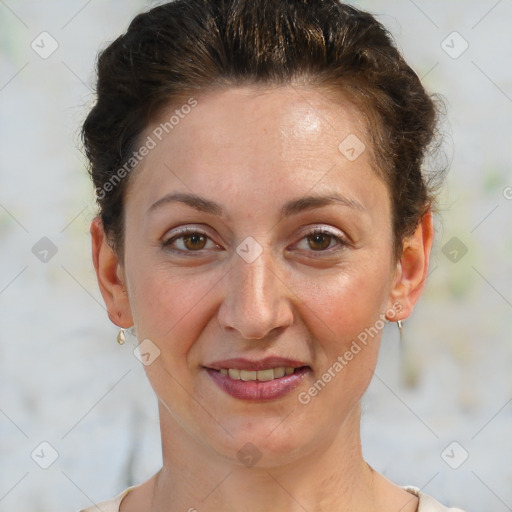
<point x="251" y="280"/>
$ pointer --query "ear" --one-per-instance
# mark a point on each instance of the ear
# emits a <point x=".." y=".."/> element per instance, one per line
<point x="110" y="277"/>
<point x="412" y="268"/>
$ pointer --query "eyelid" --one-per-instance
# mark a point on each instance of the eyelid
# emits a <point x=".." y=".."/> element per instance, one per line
<point x="322" y="228"/>
<point x="188" y="229"/>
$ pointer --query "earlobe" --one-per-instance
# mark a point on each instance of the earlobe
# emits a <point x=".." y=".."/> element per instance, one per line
<point x="413" y="266"/>
<point x="110" y="277"/>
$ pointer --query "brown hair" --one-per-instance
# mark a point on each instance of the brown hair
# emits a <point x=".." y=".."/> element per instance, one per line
<point x="186" y="47"/>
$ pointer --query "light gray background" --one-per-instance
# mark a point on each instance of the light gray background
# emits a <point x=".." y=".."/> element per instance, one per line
<point x="65" y="381"/>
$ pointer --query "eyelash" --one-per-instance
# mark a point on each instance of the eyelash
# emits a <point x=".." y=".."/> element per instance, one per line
<point x="342" y="243"/>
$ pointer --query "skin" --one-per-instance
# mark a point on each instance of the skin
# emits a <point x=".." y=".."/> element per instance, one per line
<point x="251" y="151"/>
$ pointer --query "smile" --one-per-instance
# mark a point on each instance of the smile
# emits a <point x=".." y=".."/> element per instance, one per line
<point x="258" y="385"/>
<point x="260" y="375"/>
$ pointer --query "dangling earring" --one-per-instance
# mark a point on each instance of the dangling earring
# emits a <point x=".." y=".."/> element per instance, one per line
<point x="400" y="328"/>
<point x="121" y="337"/>
<point x="408" y="372"/>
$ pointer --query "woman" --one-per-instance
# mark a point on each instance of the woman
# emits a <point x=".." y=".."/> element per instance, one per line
<point x="263" y="215"/>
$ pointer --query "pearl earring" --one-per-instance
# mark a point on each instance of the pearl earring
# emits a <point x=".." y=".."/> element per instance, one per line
<point x="121" y="337"/>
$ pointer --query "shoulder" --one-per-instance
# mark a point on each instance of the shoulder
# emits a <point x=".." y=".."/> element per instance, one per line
<point x="429" y="504"/>
<point x="111" y="505"/>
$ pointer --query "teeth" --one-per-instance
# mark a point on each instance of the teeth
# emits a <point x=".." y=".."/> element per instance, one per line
<point x="247" y="375"/>
<point x="234" y="374"/>
<point x="261" y="375"/>
<point x="265" y="374"/>
<point x="280" y="372"/>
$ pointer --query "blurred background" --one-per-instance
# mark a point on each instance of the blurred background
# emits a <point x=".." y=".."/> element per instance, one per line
<point x="78" y="419"/>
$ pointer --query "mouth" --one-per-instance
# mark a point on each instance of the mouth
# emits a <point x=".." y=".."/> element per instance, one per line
<point x="263" y="380"/>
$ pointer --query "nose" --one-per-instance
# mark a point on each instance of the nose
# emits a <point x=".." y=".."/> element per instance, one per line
<point x="257" y="301"/>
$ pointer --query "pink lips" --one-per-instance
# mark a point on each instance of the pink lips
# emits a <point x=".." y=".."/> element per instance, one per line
<point x="256" y="390"/>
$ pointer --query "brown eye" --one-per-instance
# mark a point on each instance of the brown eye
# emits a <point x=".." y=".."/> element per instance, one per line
<point x="319" y="241"/>
<point x="196" y="241"/>
<point x="188" y="242"/>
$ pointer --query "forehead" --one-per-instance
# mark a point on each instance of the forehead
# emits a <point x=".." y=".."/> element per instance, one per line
<point x="293" y="112"/>
<point x="291" y="139"/>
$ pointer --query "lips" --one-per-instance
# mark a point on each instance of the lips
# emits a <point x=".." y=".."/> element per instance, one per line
<point x="265" y="379"/>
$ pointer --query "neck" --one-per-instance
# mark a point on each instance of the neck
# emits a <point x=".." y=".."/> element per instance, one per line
<point x="332" y="475"/>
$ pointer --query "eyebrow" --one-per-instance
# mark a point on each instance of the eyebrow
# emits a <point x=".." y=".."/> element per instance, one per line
<point x="290" y="208"/>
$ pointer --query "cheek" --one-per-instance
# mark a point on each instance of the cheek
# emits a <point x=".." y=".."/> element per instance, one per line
<point x="169" y="305"/>
<point x="346" y="303"/>
<point x="170" y="311"/>
<point x="345" y="317"/>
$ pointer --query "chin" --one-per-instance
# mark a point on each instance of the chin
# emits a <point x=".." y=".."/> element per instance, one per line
<point x="262" y="442"/>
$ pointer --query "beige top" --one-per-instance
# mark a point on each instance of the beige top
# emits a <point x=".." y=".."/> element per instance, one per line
<point x="426" y="503"/>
